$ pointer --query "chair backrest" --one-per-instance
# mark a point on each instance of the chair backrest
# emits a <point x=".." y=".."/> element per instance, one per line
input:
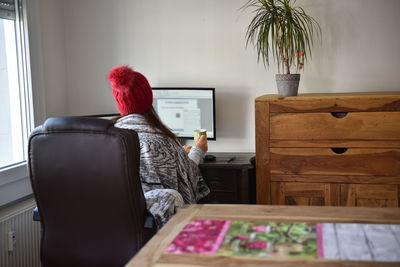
<point x="85" y="177"/>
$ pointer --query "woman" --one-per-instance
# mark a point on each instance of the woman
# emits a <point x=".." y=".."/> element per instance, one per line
<point x="169" y="173"/>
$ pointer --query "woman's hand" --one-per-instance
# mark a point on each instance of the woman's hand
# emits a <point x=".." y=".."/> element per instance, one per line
<point x="187" y="149"/>
<point x="201" y="142"/>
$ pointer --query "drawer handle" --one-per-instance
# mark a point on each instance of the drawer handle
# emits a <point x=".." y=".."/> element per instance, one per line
<point x="339" y="115"/>
<point x="339" y="150"/>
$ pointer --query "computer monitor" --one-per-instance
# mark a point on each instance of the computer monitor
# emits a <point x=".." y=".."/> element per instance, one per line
<point x="185" y="109"/>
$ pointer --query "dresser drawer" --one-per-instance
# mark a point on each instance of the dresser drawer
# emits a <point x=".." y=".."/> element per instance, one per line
<point x="325" y="126"/>
<point x="327" y="161"/>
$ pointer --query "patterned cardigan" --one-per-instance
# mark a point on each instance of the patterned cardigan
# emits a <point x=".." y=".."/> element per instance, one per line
<point x="169" y="177"/>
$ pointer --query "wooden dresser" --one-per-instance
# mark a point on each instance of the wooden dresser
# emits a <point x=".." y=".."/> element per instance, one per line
<point x="328" y="149"/>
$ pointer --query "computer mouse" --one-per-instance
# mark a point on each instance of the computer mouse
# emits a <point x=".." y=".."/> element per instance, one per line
<point x="209" y="157"/>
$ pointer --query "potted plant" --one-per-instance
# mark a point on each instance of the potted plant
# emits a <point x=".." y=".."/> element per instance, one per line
<point x="285" y="31"/>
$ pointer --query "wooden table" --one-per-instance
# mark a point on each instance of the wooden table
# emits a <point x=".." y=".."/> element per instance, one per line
<point x="152" y="254"/>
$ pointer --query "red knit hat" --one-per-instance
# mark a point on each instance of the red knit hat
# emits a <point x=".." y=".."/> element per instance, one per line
<point x="131" y="90"/>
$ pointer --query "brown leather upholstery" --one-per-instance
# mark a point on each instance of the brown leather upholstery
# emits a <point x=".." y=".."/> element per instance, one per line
<point x="85" y="177"/>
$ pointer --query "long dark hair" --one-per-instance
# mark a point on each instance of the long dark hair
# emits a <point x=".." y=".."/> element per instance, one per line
<point x="152" y="118"/>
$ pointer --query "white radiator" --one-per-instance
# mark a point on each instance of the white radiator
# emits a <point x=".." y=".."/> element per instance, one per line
<point x="19" y="236"/>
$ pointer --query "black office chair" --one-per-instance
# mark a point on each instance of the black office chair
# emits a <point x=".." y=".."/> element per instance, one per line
<point x="85" y="177"/>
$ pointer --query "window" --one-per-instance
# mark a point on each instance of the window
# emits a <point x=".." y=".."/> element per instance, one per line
<point x="15" y="101"/>
<point x="16" y="110"/>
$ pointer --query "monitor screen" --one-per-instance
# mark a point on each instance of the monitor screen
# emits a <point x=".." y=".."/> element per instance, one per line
<point x="184" y="110"/>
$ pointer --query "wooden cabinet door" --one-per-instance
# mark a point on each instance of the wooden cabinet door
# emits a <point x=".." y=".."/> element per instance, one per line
<point x="309" y="194"/>
<point x="369" y="195"/>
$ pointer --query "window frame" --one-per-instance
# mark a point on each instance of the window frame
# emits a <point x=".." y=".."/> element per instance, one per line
<point x="14" y="178"/>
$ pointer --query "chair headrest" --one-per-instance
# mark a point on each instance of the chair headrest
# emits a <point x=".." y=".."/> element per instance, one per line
<point x="76" y="124"/>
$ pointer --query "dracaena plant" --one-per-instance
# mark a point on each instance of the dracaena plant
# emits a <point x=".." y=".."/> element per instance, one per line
<point x="283" y="30"/>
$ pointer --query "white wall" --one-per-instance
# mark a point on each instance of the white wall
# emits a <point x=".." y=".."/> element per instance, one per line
<point x="202" y="43"/>
<point x="47" y="52"/>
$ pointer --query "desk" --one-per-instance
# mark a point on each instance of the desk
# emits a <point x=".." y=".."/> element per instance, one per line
<point x="152" y="254"/>
<point x="230" y="182"/>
